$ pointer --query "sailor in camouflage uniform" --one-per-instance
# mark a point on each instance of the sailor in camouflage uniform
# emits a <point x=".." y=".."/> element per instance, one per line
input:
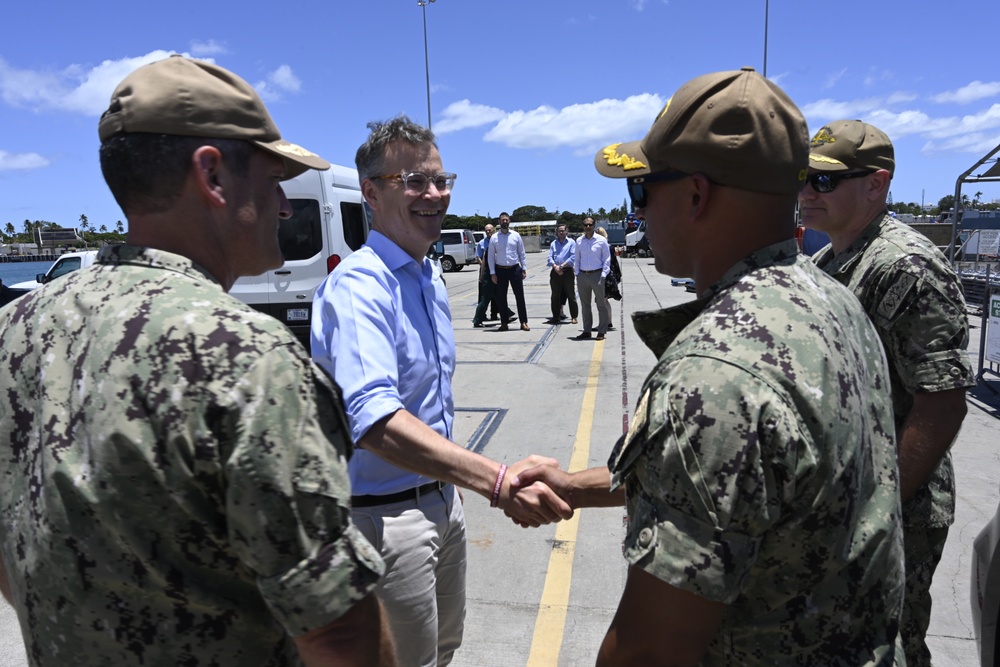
<point x="173" y="481"/>
<point x="915" y="300"/>
<point x="758" y="470"/>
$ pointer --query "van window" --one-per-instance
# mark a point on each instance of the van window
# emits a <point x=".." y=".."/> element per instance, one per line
<point x="355" y="230"/>
<point x="301" y="236"/>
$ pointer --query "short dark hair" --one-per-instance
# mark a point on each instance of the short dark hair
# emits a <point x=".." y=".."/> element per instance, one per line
<point x="503" y="214"/>
<point x="146" y="172"/>
<point x="370" y="158"/>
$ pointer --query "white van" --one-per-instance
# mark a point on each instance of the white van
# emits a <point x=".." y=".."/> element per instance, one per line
<point x="459" y="249"/>
<point x="328" y="223"/>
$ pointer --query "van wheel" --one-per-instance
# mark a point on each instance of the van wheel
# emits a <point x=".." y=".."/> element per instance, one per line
<point x="459" y="267"/>
<point x="447" y="264"/>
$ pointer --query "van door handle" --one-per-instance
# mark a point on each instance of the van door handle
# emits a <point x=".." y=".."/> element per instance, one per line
<point x="282" y="273"/>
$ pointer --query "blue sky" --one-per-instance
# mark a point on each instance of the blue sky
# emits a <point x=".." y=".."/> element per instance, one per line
<point x="523" y="93"/>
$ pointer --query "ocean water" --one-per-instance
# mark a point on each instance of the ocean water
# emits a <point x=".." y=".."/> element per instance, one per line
<point x="16" y="272"/>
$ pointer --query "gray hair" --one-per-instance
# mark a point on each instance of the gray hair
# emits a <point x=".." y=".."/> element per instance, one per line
<point x="370" y="158"/>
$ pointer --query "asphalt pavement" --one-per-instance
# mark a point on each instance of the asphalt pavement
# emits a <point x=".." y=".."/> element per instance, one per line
<point x="545" y="597"/>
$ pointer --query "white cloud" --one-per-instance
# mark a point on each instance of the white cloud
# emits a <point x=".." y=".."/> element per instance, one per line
<point x="209" y="48"/>
<point x="582" y="126"/>
<point x="638" y="5"/>
<point x="976" y="90"/>
<point x="76" y="89"/>
<point x="828" y="109"/>
<point x="464" y="114"/>
<point x="281" y="80"/>
<point x="832" y="79"/>
<point x="21" y="161"/>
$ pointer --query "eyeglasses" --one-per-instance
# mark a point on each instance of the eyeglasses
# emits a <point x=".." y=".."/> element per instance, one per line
<point x="824" y="182"/>
<point x="637" y="185"/>
<point x="417" y="183"/>
<point x="586" y="225"/>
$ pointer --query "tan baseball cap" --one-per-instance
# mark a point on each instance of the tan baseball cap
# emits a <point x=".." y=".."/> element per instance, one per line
<point x="851" y="144"/>
<point x="738" y="128"/>
<point x="193" y="98"/>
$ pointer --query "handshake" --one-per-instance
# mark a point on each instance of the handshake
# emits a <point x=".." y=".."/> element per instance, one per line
<point x="535" y="491"/>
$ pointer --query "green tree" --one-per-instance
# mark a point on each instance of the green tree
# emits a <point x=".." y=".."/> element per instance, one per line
<point x="119" y="227"/>
<point x="530" y="214"/>
<point x="10" y="229"/>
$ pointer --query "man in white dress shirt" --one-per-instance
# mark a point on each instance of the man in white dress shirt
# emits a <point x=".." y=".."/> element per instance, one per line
<point x="508" y="266"/>
<point x="593" y="262"/>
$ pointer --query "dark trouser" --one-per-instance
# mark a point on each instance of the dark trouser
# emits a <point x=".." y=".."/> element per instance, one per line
<point x="922" y="549"/>
<point x="487" y="299"/>
<point x="563" y="289"/>
<point x="511" y="276"/>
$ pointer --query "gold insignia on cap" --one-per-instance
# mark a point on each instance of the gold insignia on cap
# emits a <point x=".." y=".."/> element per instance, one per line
<point x="815" y="157"/>
<point x="803" y="175"/>
<point x="823" y="137"/>
<point x="663" y="111"/>
<point x="292" y="149"/>
<point x="624" y="161"/>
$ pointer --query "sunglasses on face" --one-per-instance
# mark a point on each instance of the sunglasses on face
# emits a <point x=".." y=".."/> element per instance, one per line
<point x="586" y="225"/>
<point x="637" y="185"/>
<point x="823" y="182"/>
<point x="416" y="183"/>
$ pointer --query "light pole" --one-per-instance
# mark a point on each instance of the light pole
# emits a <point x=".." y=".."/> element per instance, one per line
<point x="427" y="66"/>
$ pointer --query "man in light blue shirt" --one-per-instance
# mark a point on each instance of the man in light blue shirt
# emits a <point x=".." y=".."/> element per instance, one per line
<point x="508" y="266"/>
<point x="593" y="263"/>
<point x="382" y="328"/>
<point x="562" y="277"/>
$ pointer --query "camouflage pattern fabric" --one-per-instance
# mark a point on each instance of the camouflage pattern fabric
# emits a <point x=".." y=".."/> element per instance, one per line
<point x="760" y="470"/>
<point x="174" y="487"/>
<point x="915" y="300"/>
<point x="923" y="551"/>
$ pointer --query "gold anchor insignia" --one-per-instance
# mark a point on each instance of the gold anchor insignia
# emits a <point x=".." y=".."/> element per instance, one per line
<point x="624" y="161"/>
<point x="823" y="137"/>
<point x="295" y="150"/>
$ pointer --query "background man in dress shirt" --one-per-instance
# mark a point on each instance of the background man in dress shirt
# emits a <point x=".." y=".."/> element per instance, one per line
<point x="382" y="327"/>
<point x="593" y="262"/>
<point x="487" y="290"/>
<point x="562" y="278"/>
<point x="175" y="492"/>
<point x="508" y="266"/>
<point x="915" y="300"/>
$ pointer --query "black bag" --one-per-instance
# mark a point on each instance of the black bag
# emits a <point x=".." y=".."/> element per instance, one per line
<point x="611" y="290"/>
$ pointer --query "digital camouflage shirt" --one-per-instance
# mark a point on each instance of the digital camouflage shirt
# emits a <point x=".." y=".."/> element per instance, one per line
<point x="915" y="300"/>
<point x="173" y="482"/>
<point x="760" y="470"/>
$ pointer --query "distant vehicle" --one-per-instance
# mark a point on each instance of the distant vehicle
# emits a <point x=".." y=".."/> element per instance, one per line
<point x="637" y="243"/>
<point x="328" y="223"/>
<point x="67" y="263"/>
<point x="459" y="249"/>
<point x="985" y="592"/>
<point x="479" y="236"/>
<point x="616" y="233"/>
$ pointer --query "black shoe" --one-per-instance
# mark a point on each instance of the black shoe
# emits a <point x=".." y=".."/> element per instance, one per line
<point x="478" y="325"/>
<point x="583" y="336"/>
<point x="511" y="318"/>
<point x="494" y="317"/>
<point x="503" y="327"/>
<point x="553" y="321"/>
<point x="611" y="327"/>
<point x="599" y="337"/>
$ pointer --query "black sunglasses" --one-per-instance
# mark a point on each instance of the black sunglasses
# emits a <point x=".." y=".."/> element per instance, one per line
<point x="824" y="182"/>
<point x="637" y="185"/>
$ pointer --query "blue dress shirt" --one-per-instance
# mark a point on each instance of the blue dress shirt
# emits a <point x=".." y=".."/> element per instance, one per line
<point x="481" y="248"/>
<point x="506" y="250"/>
<point x="562" y="253"/>
<point x="593" y="254"/>
<point x="381" y="326"/>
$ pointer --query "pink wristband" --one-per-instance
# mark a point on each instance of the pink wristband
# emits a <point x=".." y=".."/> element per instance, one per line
<point x="495" y="500"/>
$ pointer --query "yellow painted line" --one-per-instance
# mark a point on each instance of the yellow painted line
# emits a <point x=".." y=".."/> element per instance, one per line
<point x="551" y="620"/>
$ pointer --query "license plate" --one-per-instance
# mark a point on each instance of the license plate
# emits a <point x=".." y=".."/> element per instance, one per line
<point x="296" y="314"/>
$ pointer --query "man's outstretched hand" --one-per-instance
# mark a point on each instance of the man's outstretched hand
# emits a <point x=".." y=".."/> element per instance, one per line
<point x="533" y="504"/>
